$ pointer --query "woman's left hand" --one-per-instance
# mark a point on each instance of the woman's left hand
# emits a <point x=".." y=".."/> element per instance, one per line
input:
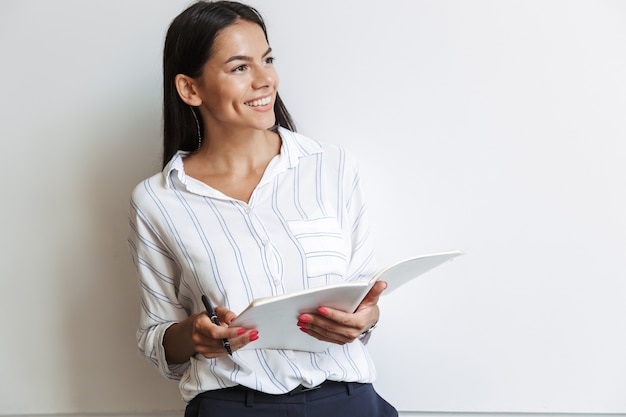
<point x="336" y="326"/>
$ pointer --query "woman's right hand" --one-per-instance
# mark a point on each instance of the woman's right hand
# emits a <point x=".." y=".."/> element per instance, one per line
<point x="207" y="336"/>
<point x="198" y="334"/>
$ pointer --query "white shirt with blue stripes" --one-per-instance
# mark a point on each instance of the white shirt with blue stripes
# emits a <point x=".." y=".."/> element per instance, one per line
<point x="304" y="226"/>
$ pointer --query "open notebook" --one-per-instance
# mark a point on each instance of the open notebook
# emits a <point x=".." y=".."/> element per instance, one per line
<point x="275" y="317"/>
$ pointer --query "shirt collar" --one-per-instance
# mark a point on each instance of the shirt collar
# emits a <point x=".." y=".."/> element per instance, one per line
<point x="175" y="168"/>
<point x="293" y="147"/>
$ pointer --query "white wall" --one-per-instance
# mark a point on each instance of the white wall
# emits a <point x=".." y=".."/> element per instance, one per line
<point x="494" y="127"/>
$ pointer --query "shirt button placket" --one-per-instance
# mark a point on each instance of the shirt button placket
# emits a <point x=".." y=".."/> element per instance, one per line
<point x="268" y="249"/>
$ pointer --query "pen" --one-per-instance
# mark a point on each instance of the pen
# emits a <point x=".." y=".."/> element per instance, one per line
<point x="215" y="320"/>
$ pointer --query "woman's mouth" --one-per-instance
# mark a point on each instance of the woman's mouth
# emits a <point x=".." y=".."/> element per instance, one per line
<point x="259" y="102"/>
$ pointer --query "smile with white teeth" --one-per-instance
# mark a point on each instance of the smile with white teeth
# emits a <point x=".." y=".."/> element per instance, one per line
<point x="261" y="102"/>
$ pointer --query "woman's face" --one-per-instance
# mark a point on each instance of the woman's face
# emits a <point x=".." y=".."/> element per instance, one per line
<point x="238" y="84"/>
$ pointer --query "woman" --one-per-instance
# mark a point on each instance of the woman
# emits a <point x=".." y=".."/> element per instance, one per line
<point x="246" y="208"/>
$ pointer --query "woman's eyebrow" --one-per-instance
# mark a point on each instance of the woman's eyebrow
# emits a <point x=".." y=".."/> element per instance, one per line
<point x="245" y="57"/>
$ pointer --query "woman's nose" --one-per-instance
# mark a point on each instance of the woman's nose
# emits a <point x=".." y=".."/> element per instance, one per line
<point x="264" y="77"/>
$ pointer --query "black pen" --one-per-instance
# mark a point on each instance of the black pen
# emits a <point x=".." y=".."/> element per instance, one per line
<point x="215" y="320"/>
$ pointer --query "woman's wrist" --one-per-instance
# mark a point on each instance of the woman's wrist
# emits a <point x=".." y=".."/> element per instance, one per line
<point x="178" y="342"/>
<point x="368" y="331"/>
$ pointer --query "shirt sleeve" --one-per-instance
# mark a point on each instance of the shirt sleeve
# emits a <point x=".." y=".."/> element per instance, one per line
<point x="159" y="277"/>
<point x="362" y="264"/>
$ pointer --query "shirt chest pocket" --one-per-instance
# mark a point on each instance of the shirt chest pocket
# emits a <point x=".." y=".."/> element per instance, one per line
<point x="323" y="245"/>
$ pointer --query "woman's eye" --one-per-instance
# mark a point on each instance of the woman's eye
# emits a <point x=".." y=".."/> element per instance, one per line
<point x="270" y="60"/>
<point x="240" y="68"/>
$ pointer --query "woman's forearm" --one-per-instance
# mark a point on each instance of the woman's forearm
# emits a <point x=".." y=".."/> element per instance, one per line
<point x="178" y="342"/>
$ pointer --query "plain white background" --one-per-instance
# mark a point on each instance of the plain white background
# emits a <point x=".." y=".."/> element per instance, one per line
<point x="493" y="127"/>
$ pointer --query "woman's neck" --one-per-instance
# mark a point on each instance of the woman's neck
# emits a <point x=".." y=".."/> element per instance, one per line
<point x="232" y="164"/>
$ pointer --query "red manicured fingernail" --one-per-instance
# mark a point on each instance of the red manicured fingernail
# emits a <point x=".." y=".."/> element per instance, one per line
<point x="301" y="324"/>
<point x="240" y="332"/>
<point x="322" y="311"/>
<point x="254" y="336"/>
<point x="303" y="329"/>
<point x="304" y="319"/>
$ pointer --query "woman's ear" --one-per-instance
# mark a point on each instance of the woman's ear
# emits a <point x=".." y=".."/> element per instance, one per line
<point x="186" y="87"/>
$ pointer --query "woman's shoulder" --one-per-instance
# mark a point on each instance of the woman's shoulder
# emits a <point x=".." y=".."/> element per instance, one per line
<point x="160" y="183"/>
<point x="311" y="145"/>
<point x="148" y="190"/>
<point x="334" y="154"/>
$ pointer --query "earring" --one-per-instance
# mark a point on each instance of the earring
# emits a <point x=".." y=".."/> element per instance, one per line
<point x="197" y="126"/>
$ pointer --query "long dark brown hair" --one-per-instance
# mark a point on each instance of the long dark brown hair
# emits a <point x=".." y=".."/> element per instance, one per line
<point x="188" y="45"/>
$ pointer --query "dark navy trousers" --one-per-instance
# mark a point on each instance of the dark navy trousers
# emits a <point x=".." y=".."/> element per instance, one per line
<point x="331" y="399"/>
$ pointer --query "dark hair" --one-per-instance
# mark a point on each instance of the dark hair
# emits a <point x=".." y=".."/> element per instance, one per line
<point x="188" y="45"/>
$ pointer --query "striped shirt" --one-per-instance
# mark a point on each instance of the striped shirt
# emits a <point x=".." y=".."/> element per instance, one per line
<point x="304" y="226"/>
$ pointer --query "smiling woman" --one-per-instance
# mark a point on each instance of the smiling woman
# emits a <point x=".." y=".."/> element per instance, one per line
<point x="193" y="37"/>
<point x="218" y="222"/>
<point x="235" y="97"/>
<point x="239" y="77"/>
